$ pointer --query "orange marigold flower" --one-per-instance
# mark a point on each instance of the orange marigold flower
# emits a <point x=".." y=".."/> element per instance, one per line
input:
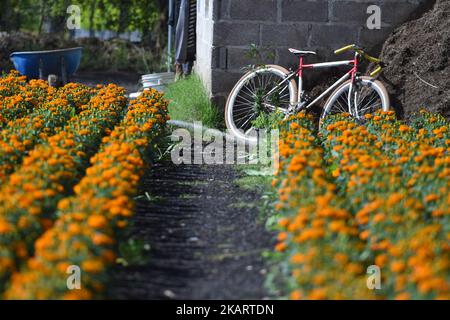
<point x="296" y="295"/>
<point x="431" y="197"/>
<point x="364" y="235"/>
<point x="82" y="294"/>
<point x="403" y="296"/>
<point x="381" y="260"/>
<point x="97" y="221"/>
<point x="282" y="236"/>
<point x="281" y="247"/>
<point x="101" y="239"/>
<point x="5" y="227"/>
<point x="298" y="258"/>
<point x="318" y="294"/>
<point x="283" y="222"/>
<point x="122" y="223"/>
<point x="398" y="266"/>
<point x="336" y="173"/>
<point x="92" y="266"/>
<point x="341" y="258"/>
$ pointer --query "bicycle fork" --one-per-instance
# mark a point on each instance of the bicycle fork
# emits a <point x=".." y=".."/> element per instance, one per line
<point x="352" y="100"/>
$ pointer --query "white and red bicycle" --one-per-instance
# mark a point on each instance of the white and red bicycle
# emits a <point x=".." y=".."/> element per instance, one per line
<point x="272" y="88"/>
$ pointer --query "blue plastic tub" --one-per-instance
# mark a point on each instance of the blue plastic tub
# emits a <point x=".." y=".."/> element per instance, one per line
<point x="39" y="64"/>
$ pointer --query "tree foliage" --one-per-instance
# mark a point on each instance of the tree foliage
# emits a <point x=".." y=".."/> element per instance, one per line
<point x="37" y="16"/>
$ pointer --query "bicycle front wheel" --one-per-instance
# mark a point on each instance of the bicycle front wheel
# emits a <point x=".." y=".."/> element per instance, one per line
<point x="262" y="90"/>
<point x="367" y="95"/>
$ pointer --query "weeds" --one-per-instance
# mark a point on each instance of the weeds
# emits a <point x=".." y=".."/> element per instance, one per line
<point x="190" y="102"/>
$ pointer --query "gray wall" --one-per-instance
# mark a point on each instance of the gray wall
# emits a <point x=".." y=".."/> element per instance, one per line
<point x="226" y="28"/>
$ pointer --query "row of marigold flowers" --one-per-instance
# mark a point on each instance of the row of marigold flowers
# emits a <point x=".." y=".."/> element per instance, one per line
<point x="89" y="222"/>
<point x="355" y="196"/>
<point x="20" y="135"/>
<point x="19" y="97"/>
<point x="28" y="197"/>
<point x="48" y="135"/>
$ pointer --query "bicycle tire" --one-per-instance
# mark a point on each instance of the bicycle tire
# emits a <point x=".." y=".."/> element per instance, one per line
<point x="229" y="121"/>
<point x="370" y="82"/>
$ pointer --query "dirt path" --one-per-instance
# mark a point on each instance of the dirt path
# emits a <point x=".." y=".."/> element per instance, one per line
<point x="205" y="236"/>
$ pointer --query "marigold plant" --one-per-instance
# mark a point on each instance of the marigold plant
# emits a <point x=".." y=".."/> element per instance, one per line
<point x="22" y="134"/>
<point x="376" y="193"/>
<point x="19" y="97"/>
<point x="29" y="197"/>
<point x="89" y="222"/>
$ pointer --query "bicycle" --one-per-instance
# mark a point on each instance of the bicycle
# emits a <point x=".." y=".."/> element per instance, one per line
<point x="272" y="88"/>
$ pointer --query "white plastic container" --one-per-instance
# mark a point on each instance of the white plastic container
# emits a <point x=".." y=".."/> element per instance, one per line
<point x="157" y="81"/>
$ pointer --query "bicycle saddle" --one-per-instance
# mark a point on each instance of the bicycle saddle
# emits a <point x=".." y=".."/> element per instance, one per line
<point x="300" y="52"/>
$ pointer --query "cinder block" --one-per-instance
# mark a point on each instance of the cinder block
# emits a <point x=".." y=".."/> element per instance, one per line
<point x="333" y="36"/>
<point x="235" y="33"/>
<point x="351" y="11"/>
<point x="219" y="57"/>
<point x="265" y="10"/>
<point x="303" y="10"/>
<point x="293" y="35"/>
<point x="223" y="81"/>
<point x="219" y="101"/>
<point x="223" y="10"/>
<point x="238" y="58"/>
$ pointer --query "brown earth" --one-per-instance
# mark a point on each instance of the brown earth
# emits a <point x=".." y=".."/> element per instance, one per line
<point x="206" y="235"/>
<point x="417" y="56"/>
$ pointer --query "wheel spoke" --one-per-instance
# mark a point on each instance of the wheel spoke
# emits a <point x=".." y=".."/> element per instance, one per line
<point x="250" y="99"/>
<point x="245" y="90"/>
<point x="242" y="111"/>
<point x="241" y="119"/>
<point x="368" y="104"/>
<point x="246" y="100"/>
<point x="250" y="118"/>
<point x="269" y="79"/>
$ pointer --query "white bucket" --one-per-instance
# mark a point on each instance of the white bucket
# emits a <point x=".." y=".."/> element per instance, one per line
<point x="157" y="81"/>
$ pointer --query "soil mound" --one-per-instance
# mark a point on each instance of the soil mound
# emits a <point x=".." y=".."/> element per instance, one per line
<point x="417" y="56"/>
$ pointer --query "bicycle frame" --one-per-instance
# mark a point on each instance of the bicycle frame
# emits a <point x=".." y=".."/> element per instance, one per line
<point x="351" y="74"/>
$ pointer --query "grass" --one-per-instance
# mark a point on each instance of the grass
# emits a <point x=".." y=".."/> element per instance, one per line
<point x="253" y="179"/>
<point x="189" y="101"/>
<point x="250" y="182"/>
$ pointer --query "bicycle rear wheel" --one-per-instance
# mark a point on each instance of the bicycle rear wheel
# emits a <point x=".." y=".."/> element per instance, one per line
<point x="249" y="98"/>
<point x="367" y="96"/>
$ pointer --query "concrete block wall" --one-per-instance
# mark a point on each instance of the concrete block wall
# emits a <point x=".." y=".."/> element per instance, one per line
<point x="226" y="28"/>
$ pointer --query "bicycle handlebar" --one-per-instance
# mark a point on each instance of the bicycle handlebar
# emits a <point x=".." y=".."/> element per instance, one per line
<point x="369" y="58"/>
<point x="344" y="49"/>
<point x="376" y="71"/>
